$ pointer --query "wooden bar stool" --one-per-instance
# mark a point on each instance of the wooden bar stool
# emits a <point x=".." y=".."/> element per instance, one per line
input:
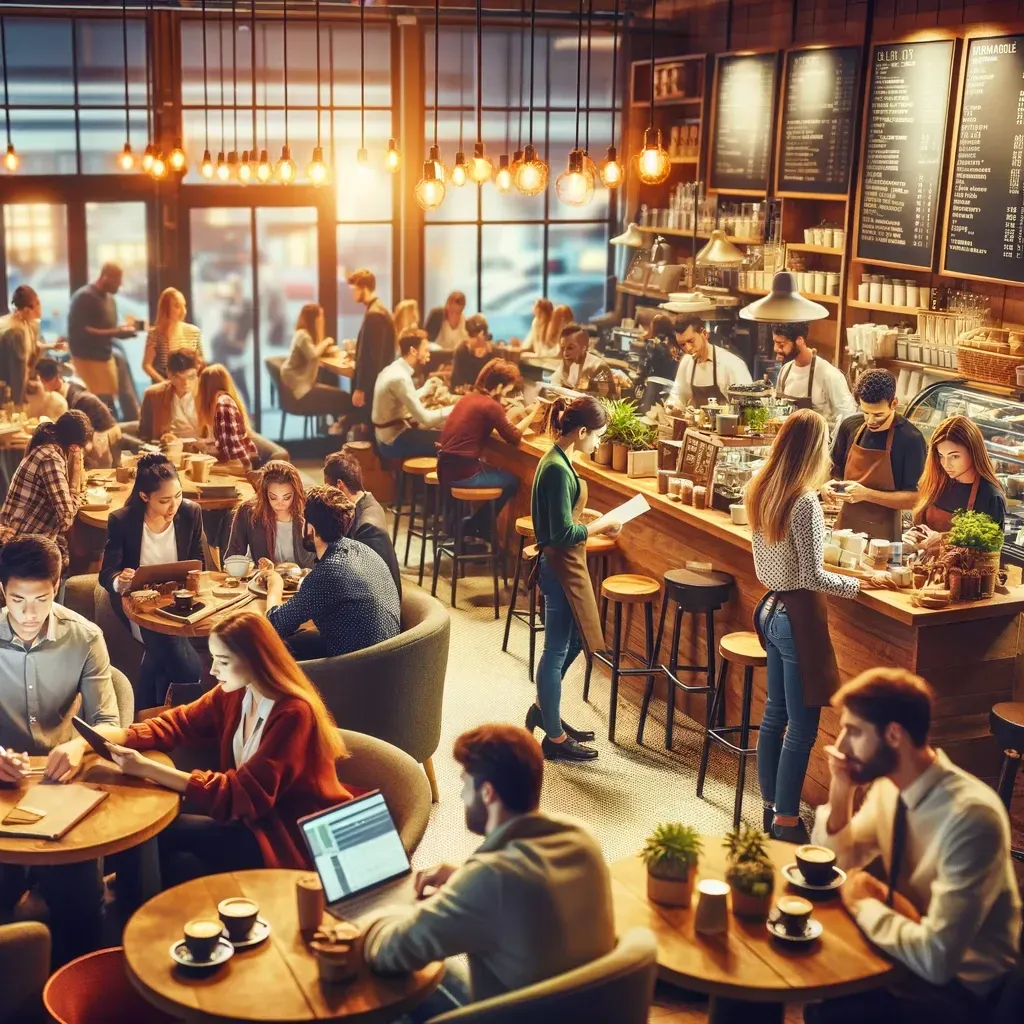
<point x="415" y="470"/>
<point x="1006" y="721"/>
<point x="524" y="528"/>
<point x="432" y="501"/>
<point x="627" y="589"/>
<point x="454" y="546"/>
<point x="741" y="649"/>
<point x="699" y="593"/>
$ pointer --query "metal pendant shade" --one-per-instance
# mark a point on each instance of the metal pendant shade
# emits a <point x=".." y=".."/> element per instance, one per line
<point x="719" y="251"/>
<point x="784" y="304"/>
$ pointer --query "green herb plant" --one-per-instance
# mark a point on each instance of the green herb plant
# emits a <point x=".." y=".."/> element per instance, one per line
<point x="621" y="414"/>
<point x="975" y="530"/>
<point x="750" y="869"/>
<point x="672" y="850"/>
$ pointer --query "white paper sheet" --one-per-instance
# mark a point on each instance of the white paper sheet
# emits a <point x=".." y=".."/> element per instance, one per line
<point x="636" y="506"/>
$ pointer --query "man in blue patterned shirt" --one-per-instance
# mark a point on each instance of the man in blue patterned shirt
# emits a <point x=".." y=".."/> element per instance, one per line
<point x="349" y="594"/>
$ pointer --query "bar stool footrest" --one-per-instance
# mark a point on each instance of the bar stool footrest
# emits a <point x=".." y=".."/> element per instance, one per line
<point x="718" y="734"/>
<point x="644" y="670"/>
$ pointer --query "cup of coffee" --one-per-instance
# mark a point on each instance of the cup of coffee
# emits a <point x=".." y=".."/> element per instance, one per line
<point x="183" y="601"/>
<point x="201" y="937"/>
<point x="239" y="915"/>
<point x="199" y="468"/>
<point x="794" y="913"/>
<point x="817" y="864"/>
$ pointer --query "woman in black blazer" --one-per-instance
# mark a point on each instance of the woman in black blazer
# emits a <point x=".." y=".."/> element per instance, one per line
<point x="155" y="526"/>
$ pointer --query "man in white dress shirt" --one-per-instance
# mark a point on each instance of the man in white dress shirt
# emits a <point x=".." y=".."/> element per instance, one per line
<point x="579" y="364"/>
<point x="950" y="911"/>
<point x="807" y="381"/>
<point x="706" y="371"/>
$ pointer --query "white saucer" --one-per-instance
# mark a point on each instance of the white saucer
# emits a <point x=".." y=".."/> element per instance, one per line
<point x="814" y="930"/>
<point x="793" y="875"/>
<point x="260" y="930"/>
<point x="222" y="952"/>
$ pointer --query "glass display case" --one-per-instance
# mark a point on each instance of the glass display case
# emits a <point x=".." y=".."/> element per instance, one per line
<point x="737" y="462"/>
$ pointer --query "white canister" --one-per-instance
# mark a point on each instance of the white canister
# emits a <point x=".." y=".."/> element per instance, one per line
<point x="924" y="297"/>
<point x="887" y="293"/>
<point x="819" y="282"/>
<point x="832" y="283"/>
<point x="838" y="238"/>
<point x="808" y="236"/>
<point x="914" y="352"/>
<point x="876" y="290"/>
<point x="863" y="291"/>
<point x="826" y="237"/>
<point x="833" y="552"/>
<point x="807" y="282"/>
<point x="911" y="287"/>
<point x="901" y="348"/>
<point x="739" y="514"/>
<point x="899" y="293"/>
<point x="818" y="236"/>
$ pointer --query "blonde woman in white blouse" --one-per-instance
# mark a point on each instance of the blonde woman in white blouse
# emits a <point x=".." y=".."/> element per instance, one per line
<point x="792" y="618"/>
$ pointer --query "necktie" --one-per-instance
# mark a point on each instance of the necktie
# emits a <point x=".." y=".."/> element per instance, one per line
<point x="899" y="842"/>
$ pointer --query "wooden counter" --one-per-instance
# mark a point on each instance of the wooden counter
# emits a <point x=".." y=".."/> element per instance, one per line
<point x="970" y="653"/>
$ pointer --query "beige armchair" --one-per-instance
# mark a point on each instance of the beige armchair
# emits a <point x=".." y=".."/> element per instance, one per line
<point x="614" y="989"/>
<point x="84" y="595"/>
<point x="24" y="968"/>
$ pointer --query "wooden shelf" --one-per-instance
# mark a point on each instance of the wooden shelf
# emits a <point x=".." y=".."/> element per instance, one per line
<point x="825" y="300"/>
<point x="669" y="101"/>
<point x="823" y="249"/>
<point x="932" y="371"/>
<point x="681" y="233"/>
<point x="857" y="304"/>
<point x="641" y="293"/>
<point x="684" y="160"/>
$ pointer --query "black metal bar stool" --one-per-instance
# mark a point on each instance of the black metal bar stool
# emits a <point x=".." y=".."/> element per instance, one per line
<point x="699" y="593"/>
<point x="741" y="649"/>
<point x="524" y="528"/>
<point x="431" y="504"/>
<point x="1006" y="721"/>
<point x="454" y="545"/>
<point x="627" y="589"/>
<point x="415" y="470"/>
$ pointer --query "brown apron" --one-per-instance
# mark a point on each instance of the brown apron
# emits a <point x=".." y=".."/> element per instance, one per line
<point x="939" y="520"/>
<point x="701" y="395"/>
<point x="871" y="467"/>
<point x="797" y="403"/>
<point x="808" y="618"/>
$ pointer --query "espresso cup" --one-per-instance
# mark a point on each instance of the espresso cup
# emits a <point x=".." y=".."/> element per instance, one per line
<point x="794" y="913"/>
<point x="239" y="915"/>
<point x="201" y="937"/>
<point x="817" y="864"/>
<point x="183" y="601"/>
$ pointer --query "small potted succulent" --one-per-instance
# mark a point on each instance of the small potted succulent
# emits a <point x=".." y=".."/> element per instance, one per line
<point x="671" y="853"/>
<point x="621" y="414"/>
<point x="750" y="873"/>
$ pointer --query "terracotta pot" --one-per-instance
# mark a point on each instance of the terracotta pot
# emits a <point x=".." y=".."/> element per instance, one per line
<point x="754" y="907"/>
<point x="603" y="454"/>
<point x="671" y="892"/>
<point x="620" y="457"/>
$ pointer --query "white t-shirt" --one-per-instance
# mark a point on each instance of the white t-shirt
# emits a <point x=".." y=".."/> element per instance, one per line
<point x="591" y="364"/>
<point x="184" y="420"/>
<point x="831" y="395"/>
<point x="284" y="543"/>
<point x="157" y="549"/>
<point x="730" y="369"/>
<point x="448" y="337"/>
<point x="242" y="751"/>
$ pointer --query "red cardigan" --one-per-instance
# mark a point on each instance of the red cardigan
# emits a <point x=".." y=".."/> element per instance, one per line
<point x="279" y="784"/>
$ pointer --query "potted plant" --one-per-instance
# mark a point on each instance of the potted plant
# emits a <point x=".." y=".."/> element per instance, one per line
<point x="620" y="415"/>
<point x="671" y="853"/>
<point x="978" y="539"/>
<point x="642" y="449"/>
<point x="750" y="872"/>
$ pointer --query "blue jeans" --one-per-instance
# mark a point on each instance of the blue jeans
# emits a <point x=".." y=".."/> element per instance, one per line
<point x="782" y="762"/>
<point x="411" y="444"/>
<point x="562" y="645"/>
<point x="490" y="476"/>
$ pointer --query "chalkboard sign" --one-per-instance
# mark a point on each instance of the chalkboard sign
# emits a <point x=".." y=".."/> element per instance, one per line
<point x="905" y="137"/>
<point x="985" y="233"/>
<point x="816" y="143"/>
<point x="744" y="115"/>
<point x="698" y="457"/>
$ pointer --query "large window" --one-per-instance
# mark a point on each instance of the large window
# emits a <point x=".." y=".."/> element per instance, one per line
<point x="525" y="247"/>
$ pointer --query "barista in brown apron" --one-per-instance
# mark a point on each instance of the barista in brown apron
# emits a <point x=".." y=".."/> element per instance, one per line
<point x="939" y="520"/>
<point x="871" y="467"/>
<point x="703" y="394"/>
<point x="780" y="387"/>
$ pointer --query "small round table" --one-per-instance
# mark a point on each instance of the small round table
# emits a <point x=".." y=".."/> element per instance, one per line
<point x="274" y="981"/>
<point x="745" y="963"/>
<point x="134" y="811"/>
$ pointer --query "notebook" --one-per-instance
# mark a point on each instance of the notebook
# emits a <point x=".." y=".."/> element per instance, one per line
<point x="50" y="811"/>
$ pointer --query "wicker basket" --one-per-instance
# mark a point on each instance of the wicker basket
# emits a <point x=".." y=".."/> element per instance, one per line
<point x="989" y="367"/>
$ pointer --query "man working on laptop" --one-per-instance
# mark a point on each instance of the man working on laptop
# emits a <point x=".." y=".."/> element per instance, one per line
<point x="532" y="902"/>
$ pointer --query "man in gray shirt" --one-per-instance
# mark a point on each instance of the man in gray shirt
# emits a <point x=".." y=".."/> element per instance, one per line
<point x="53" y="665"/>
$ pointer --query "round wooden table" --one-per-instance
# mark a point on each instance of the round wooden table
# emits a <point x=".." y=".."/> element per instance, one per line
<point x="340" y="363"/>
<point x="274" y="981"/>
<point x="135" y="811"/>
<point x="745" y="963"/>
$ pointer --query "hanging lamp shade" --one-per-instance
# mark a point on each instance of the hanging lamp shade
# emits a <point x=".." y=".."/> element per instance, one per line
<point x="631" y="236"/>
<point x="575" y="185"/>
<point x="612" y="171"/>
<point x="783" y="304"/>
<point x="263" y="168"/>
<point x="652" y="162"/>
<point x="532" y="176"/>
<point x="503" y="179"/>
<point x="392" y="158"/>
<point x="719" y="251"/>
<point x="459" y="173"/>
<point x="430" y="188"/>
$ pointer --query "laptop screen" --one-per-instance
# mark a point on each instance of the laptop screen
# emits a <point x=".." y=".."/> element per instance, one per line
<point x="355" y="847"/>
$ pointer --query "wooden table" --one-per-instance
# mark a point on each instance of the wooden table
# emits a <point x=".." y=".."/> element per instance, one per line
<point x="340" y="363"/>
<point x="274" y="981"/>
<point x="746" y="963"/>
<point x="135" y="810"/>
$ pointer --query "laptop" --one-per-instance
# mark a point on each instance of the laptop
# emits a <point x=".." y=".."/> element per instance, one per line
<point x="359" y="856"/>
<point x="163" y="572"/>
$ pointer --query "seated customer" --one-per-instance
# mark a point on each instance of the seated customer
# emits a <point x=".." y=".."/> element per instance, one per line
<point x="156" y="526"/>
<point x="105" y="431"/>
<point x="398" y="412"/>
<point x="169" y="332"/>
<point x="299" y="371"/>
<point x="276" y="751"/>
<point x="447" y="325"/>
<point x="342" y="470"/>
<point x="41" y="403"/>
<point x="950" y="911"/>
<point x="269" y="525"/>
<point x="349" y="595"/>
<point x="223" y="421"/>
<point x="468" y="427"/>
<point x="532" y="902"/>
<point x="53" y="664"/>
<point x="579" y="364"/>
<point x="472" y="355"/>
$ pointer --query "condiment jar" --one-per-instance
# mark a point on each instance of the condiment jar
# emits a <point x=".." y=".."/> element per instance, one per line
<point x="700" y="497"/>
<point x="686" y="490"/>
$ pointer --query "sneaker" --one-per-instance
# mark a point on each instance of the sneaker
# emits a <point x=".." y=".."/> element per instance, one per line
<point x="769" y="817"/>
<point x="535" y="720"/>
<point x="567" y="750"/>
<point x="795" y="834"/>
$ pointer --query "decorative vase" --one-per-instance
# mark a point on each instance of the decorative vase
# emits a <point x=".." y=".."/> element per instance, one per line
<point x="753" y="907"/>
<point x="954" y="580"/>
<point x="970" y="586"/>
<point x="671" y="892"/>
<point x="988" y="585"/>
<point x="620" y="457"/>
<point x="603" y="453"/>
<point x="987" y="562"/>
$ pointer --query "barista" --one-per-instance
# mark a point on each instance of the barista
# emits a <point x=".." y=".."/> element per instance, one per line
<point x="579" y="364"/>
<point x="706" y="371"/>
<point x="880" y="456"/>
<point x="807" y="382"/>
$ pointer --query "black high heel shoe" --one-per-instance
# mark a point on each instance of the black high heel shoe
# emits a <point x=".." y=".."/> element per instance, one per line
<point x="535" y="720"/>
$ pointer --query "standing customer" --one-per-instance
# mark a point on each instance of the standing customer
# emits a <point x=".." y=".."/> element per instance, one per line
<point x="406" y="316"/>
<point x="472" y="355"/>
<point x="792" y="618"/>
<point x="168" y="333"/>
<point x="571" y="620"/>
<point x="375" y="346"/>
<point x="156" y="526"/>
<point x="300" y="370"/>
<point x="106" y="432"/>
<point x="451" y="322"/>
<point x="537" y="336"/>
<point x="223" y="421"/>
<point x="20" y="343"/>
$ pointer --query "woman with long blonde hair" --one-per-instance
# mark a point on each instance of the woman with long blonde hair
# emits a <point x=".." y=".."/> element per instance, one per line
<point x="223" y="421"/>
<point x="277" y="750"/>
<point x="788" y="528"/>
<point x="406" y="316"/>
<point x="169" y="332"/>
<point x="537" y="336"/>
<point x="561" y="317"/>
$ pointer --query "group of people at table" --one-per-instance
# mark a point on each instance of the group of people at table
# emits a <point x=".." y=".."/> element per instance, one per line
<point x="535" y="899"/>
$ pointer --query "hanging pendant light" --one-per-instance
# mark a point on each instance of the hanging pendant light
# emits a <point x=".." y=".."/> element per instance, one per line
<point x="233" y="153"/>
<point x="126" y="158"/>
<point x="286" y="168"/>
<point x="459" y="173"/>
<point x="264" y="169"/>
<point x="177" y="160"/>
<point x="206" y="168"/>
<point x="575" y="185"/>
<point x="245" y="168"/>
<point x="430" y="188"/>
<point x="612" y="172"/>
<point x="532" y="175"/>
<point x="247" y="165"/>
<point x="11" y="159"/>
<point x="517" y="156"/>
<point x="589" y="167"/>
<point x="480" y="167"/>
<point x="392" y="158"/>
<point x="503" y="178"/>
<point x="652" y="162"/>
<point x="503" y="181"/>
<point x="362" y="157"/>
<point x="159" y="167"/>
<point x="317" y="171"/>
<point x="223" y="173"/>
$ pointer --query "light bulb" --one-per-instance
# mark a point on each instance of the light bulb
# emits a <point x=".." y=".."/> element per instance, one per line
<point x="517" y="162"/>
<point x="177" y="159"/>
<point x="206" y="168"/>
<point x="286" y="167"/>
<point x="611" y="170"/>
<point x="503" y="179"/>
<point x="11" y="159"/>
<point x="147" y="158"/>
<point x="480" y="168"/>
<point x="126" y="160"/>
<point x="232" y="164"/>
<point x="317" y="170"/>
<point x="459" y="175"/>
<point x="222" y="168"/>
<point x="430" y="188"/>
<point x="652" y="162"/>
<point x="159" y="168"/>
<point x="263" y="168"/>
<point x="245" y="169"/>
<point x="392" y="158"/>
<point x="532" y="176"/>
<point x="575" y="185"/>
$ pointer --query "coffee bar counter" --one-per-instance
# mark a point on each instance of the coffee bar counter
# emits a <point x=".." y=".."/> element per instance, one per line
<point x="972" y="654"/>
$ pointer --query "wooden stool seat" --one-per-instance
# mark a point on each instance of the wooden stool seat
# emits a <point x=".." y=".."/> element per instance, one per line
<point x="599" y="544"/>
<point x="419" y="467"/>
<point x="476" y="494"/>
<point x="1006" y="720"/>
<point x="743" y="649"/>
<point x="530" y="552"/>
<point x="630" y="588"/>
<point x="524" y="526"/>
<point x="431" y="477"/>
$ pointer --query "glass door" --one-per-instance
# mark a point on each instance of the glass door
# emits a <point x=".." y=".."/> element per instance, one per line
<point x="36" y="254"/>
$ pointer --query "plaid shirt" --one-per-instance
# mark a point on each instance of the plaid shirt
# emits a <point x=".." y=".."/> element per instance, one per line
<point x="40" y="498"/>
<point x="233" y="440"/>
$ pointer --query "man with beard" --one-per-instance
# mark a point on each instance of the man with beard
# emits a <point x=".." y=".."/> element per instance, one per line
<point x="949" y="910"/>
<point x="807" y="382"/>
<point x="532" y="902"/>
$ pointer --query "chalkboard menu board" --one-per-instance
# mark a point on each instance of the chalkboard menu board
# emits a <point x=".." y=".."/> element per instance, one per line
<point x="741" y="144"/>
<point x="698" y="457"/>
<point x="817" y="121"/>
<point x="985" y="235"/>
<point x="904" y="141"/>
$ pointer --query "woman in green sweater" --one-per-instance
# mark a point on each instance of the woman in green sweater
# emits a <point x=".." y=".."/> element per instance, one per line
<point x="571" y="618"/>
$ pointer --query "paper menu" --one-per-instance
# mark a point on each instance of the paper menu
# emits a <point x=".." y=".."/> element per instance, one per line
<point x="636" y="506"/>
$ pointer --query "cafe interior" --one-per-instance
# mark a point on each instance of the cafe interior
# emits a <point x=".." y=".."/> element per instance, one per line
<point x="491" y="362"/>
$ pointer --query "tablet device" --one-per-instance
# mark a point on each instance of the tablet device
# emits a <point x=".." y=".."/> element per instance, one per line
<point x="92" y="737"/>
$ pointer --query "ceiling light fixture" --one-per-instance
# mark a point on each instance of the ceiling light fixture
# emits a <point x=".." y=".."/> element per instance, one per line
<point x="532" y="175"/>
<point x="589" y="167"/>
<point x="126" y="159"/>
<point x="503" y="176"/>
<point x="286" y="165"/>
<point x="574" y="186"/>
<point x="264" y="169"/>
<point x="233" y="154"/>
<point x="362" y="158"/>
<point x="459" y="173"/>
<point x="247" y="168"/>
<point x="480" y="168"/>
<point x="517" y="156"/>
<point x="611" y="170"/>
<point x="11" y="159"/>
<point x="206" y="168"/>
<point x="430" y="188"/>
<point x="317" y="170"/>
<point x="652" y="162"/>
<point x="223" y="172"/>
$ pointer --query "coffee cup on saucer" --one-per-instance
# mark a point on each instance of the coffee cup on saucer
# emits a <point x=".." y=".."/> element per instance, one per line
<point x="794" y="913"/>
<point x="239" y="915"/>
<point x="817" y="864"/>
<point x="201" y="937"/>
<point x="183" y="601"/>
